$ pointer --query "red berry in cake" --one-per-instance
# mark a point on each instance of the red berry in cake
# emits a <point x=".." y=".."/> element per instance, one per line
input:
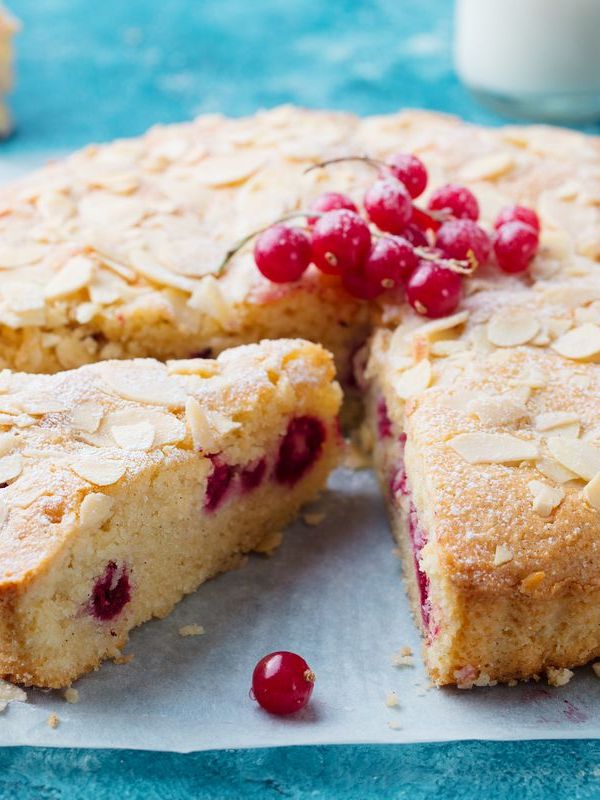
<point x="433" y="290"/>
<point x="410" y="171"/>
<point x="515" y="246"/>
<point x="282" y="253"/>
<point x="330" y="201"/>
<point x="299" y="449"/>
<point x="282" y="683"/>
<point x="384" y="423"/>
<point x="341" y="241"/>
<point x="111" y="592"/>
<point x="457" y="201"/>
<point x="358" y="285"/>
<point x="390" y="262"/>
<point x="252" y="475"/>
<point x="217" y="484"/>
<point x="518" y="214"/>
<point x="424" y="221"/>
<point x="388" y="205"/>
<point x="461" y="238"/>
<point x="415" y="235"/>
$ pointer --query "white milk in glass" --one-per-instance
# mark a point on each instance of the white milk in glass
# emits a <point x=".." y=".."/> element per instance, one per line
<point x="532" y="58"/>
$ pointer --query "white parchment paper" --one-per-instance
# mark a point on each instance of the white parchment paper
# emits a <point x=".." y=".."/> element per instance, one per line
<point x="332" y="593"/>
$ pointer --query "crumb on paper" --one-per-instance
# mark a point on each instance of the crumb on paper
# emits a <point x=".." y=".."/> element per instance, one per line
<point x="395" y="726"/>
<point x="468" y="677"/>
<point x="191" y="630"/>
<point x="71" y="695"/>
<point x="269" y="543"/>
<point x="313" y="518"/>
<point x="558" y="677"/>
<point x="596" y="668"/>
<point x="391" y="700"/>
<point x="53" y="721"/>
<point x="513" y="682"/>
<point x="10" y="693"/>
<point x="121" y="658"/>
<point x="403" y="658"/>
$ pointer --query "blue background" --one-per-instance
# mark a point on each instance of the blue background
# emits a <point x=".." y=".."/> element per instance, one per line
<point x="96" y="70"/>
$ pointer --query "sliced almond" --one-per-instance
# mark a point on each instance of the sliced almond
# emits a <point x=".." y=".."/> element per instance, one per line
<point x="8" y="442"/>
<point x="225" y="170"/>
<point x="552" y="469"/>
<point x="138" y="436"/>
<point x="591" y="492"/>
<point x="532" y="377"/>
<point x="493" y="448"/>
<point x="430" y="329"/>
<point x="554" y="419"/>
<point x="204" y="437"/>
<point x="205" y="367"/>
<point x="168" y="429"/>
<point x="487" y="167"/>
<point x="581" y="343"/>
<point x="545" y="498"/>
<point x="75" y="275"/>
<point x="502" y="555"/>
<point x="3" y="512"/>
<point x="512" y="327"/>
<point x="413" y="381"/>
<point x="570" y="431"/>
<point x="208" y="297"/>
<point x="497" y="410"/>
<point x="146" y="265"/>
<point x="95" y="509"/>
<point x="580" y="457"/>
<point x="87" y="416"/>
<point x="151" y="387"/>
<point x="99" y="472"/>
<point x="10" y="467"/>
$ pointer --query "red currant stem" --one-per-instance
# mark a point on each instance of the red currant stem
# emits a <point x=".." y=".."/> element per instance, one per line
<point x="238" y="246"/>
<point x="372" y="162"/>
<point x="440" y="215"/>
<point x="466" y="267"/>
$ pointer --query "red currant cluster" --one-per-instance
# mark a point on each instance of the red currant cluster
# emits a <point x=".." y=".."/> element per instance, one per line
<point x="423" y="252"/>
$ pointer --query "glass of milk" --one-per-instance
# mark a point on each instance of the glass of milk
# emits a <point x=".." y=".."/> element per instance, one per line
<point x="538" y="59"/>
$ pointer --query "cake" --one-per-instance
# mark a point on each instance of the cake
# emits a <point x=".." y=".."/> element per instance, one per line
<point x="484" y="423"/>
<point x="127" y="484"/>
<point x="8" y="27"/>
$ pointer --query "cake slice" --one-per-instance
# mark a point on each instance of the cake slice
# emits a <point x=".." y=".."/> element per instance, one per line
<point x="8" y="27"/>
<point x="486" y="429"/>
<point x="127" y="484"/>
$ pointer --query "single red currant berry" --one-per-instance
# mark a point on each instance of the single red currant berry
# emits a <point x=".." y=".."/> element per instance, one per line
<point x="390" y="262"/>
<point x="282" y="254"/>
<point x="410" y="171"/>
<point x="341" y="241"/>
<point x="282" y="682"/>
<point x="330" y="201"/>
<point x="515" y="246"/>
<point x="458" y="201"/>
<point x="423" y="220"/>
<point x="388" y="205"/>
<point x="360" y="286"/>
<point x="518" y="214"/>
<point x="415" y="235"/>
<point x="459" y="238"/>
<point x="434" y="290"/>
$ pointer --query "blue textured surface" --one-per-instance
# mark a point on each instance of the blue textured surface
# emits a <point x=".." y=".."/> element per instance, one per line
<point x="93" y="71"/>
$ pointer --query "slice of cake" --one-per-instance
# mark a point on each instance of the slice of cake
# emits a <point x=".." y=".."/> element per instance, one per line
<point x="8" y="27"/>
<point x="127" y="484"/>
<point x="487" y="444"/>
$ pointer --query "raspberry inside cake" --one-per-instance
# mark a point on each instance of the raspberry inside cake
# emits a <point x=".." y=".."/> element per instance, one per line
<point x="124" y="485"/>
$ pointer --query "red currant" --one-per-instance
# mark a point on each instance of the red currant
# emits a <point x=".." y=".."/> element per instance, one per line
<point x="458" y="238"/>
<point x="282" y="682"/>
<point x="410" y="171"/>
<point x="341" y="241"/>
<point x="413" y="234"/>
<point x="515" y="246"/>
<point x="434" y="290"/>
<point x="282" y="253"/>
<point x="423" y="220"/>
<point x="458" y="201"/>
<point x="330" y="201"/>
<point x="360" y="286"/>
<point x="388" y="205"/>
<point x="390" y="262"/>
<point x="518" y="214"/>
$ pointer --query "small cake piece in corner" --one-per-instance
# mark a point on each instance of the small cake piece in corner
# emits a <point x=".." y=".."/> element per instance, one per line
<point x="8" y="27"/>
<point x="124" y="485"/>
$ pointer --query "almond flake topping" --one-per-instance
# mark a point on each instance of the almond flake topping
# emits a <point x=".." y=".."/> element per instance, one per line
<point x="580" y="457"/>
<point x="545" y="498"/>
<point x="100" y="473"/>
<point x="550" y="468"/>
<point x="205" y="367"/>
<point x="87" y="416"/>
<point x="413" y="381"/>
<point x="591" y="492"/>
<point x="203" y="436"/>
<point x="502" y="555"/>
<point x="75" y="275"/>
<point x="487" y="167"/>
<point x="581" y="344"/>
<point x="493" y="448"/>
<point x="430" y="329"/>
<point x="96" y="508"/>
<point x="500" y="410"/>
<point x="153" y="388"/>
<point x="8" y="441"/>
<point x="512" y="327"/>
<point x="10" y="467"/>
<point x="554" y="419"/>
<point x="138" y="436"/>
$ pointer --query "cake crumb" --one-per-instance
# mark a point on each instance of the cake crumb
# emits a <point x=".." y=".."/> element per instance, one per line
<point x="395" y="726"/>
<point x="313" y="518"/>
<point x="512" y="682"/>
<point x="10" y="693"/>
<point x="391" y="700"/>
<point x="403" y="658"/>
<point x="558" y="677"/>
<point x="355" y="458"/>
<point x="596" y="668"/>
<point x="71" y="695"/>
<point x="269" y="543"/>
<point x="121" y="658"/>
<point x="191" y="630"/>
<point x="53" y="721"/>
